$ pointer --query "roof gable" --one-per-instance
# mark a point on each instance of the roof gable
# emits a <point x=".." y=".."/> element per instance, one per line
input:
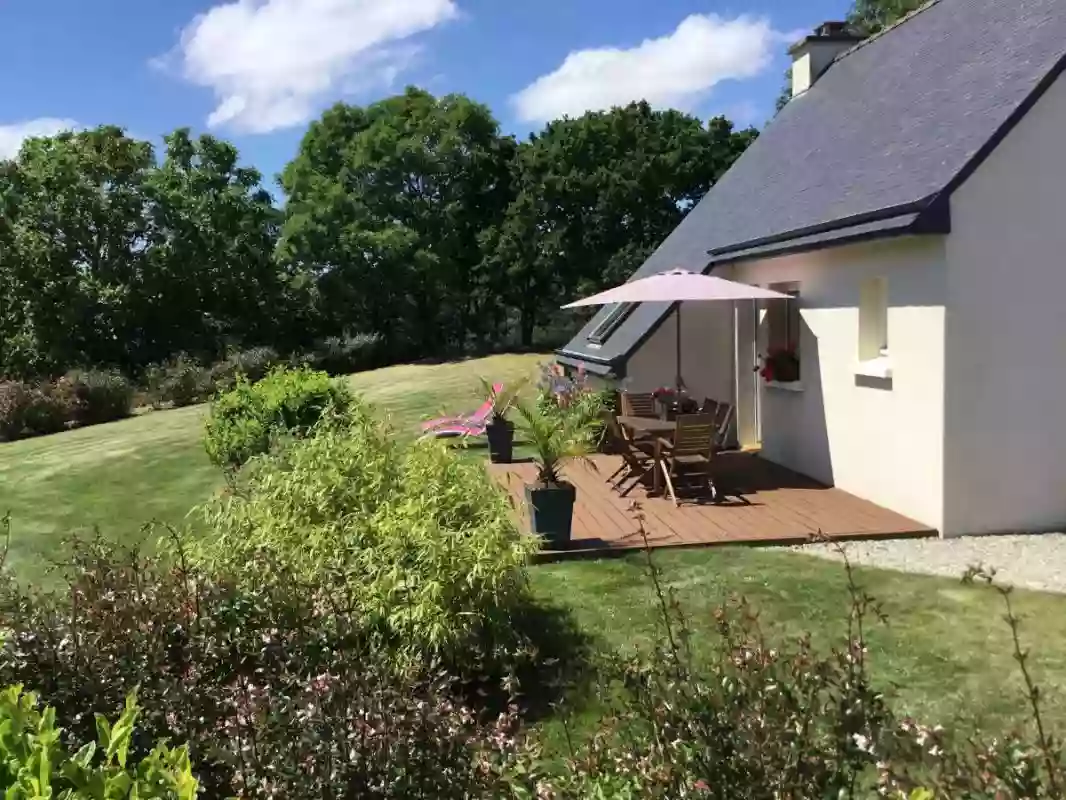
<point x="892" y="127"/>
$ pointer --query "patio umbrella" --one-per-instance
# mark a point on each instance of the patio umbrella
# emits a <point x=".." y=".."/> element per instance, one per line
<point x="678" y="286"/>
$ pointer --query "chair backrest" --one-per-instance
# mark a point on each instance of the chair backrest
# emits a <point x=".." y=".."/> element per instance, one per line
<point x="615" y="439"/>
<point x="722" y="420"/>
<point x="639" y="404"/>
<point x="694" y="436"/>
<point x="710" y="406"/>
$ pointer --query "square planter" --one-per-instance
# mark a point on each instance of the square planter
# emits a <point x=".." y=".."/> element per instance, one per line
<point x="551" y="512"/>
<point x="501" y="441"/>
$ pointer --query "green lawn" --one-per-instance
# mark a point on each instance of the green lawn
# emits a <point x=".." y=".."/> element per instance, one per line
<point x="119" y="476"/>
<point x="945" y="653"/>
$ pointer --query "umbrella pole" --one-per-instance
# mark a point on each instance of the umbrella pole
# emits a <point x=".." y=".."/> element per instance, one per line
<point x="677" y="376"/>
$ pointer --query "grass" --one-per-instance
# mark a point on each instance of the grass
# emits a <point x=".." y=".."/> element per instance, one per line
<point x="119" y="476"/>
<point x="945" y="654"/>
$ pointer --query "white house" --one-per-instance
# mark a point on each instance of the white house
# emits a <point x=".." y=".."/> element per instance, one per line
<point x="912" y="196"/>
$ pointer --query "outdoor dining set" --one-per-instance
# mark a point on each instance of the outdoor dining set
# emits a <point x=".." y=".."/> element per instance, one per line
<point x="659" y="443"/>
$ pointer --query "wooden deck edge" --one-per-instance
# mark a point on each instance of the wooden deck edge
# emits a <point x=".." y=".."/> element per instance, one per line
<point x="619" y="551"/>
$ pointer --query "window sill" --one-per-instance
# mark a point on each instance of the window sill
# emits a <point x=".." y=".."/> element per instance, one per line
<point x="875" y="368"/>
<point x="790" y="386"/>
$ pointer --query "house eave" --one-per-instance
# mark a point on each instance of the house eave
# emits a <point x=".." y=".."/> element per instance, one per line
<point x="605" y="368"/>
<point x="933" y="219"/>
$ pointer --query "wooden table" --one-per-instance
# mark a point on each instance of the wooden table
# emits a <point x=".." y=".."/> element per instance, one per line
<point x="648" y="424"/>
<point x="655" y="426"/>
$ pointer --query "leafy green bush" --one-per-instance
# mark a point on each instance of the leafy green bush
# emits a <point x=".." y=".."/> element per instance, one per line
<point x="420" y="540"/>
<point x="247" y="419"/>
<point x="34" y="763"/>
<point x="95" y="396"/>
<point x="274" y="683"/>
<point x="182" y="381"/>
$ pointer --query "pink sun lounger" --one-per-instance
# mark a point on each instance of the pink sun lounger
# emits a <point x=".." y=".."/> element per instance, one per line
<point x="472" y="424"/>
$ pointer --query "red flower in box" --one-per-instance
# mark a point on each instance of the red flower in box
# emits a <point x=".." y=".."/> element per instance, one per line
<point x="780" y="365"/>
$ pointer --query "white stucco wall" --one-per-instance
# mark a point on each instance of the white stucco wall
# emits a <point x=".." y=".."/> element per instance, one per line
<point x="1005" y="456"/>
<point x="879" y="440"/>
<point x="706" y="353"/>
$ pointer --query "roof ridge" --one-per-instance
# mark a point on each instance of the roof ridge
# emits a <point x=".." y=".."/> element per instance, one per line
<point x="874" y="37"/>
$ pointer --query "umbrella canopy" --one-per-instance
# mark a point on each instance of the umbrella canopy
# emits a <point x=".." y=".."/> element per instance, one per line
<point x="678" y="285"/>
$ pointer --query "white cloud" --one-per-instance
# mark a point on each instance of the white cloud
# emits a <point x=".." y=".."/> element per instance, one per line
<point x="12" y="136"/>
<point x="676" y="70"/>
<point x="270" y="62"/>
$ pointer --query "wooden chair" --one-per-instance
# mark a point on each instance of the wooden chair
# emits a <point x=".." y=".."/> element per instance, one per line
<point x="690" y="454"/>
<point x="639" y="404"/>
<point x="723" y="418"/>
<point x="638" y="459"/>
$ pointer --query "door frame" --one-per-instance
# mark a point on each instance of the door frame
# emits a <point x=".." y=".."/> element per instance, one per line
<point x="746" y="385"/>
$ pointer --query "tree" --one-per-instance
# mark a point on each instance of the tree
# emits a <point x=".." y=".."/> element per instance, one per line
<point x="211" y="279"/>
<point x="595" y="195"/>
<point x="872" y="16"/>
<point x="387" y="207"/>
<point x="74" y="244"/>
<point x="108" y="259"/>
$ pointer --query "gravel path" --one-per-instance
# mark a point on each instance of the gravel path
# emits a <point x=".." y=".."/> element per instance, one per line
<point x="1029" y="561"/>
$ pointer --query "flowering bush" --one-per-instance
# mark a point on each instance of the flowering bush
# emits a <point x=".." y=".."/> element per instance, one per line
<point x="573" y="395"/>
<point x="31" y="410"/>
<point x="95" y="396"/>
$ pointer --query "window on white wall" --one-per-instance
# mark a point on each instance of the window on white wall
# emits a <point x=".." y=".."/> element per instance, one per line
<point x="781" y="364"/>
<point x="873" y="319"/>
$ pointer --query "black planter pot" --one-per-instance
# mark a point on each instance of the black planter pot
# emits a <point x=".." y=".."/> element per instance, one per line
<point x="551" y="512"/>
<point x="501" y="441"/>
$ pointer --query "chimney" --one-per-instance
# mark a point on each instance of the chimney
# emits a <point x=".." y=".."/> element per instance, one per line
<point x="812" y="55"/>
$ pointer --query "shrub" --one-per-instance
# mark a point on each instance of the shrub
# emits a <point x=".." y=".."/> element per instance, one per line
<point x="27" y="410"/>
<point x="13" y="399"/>
<point x="273" y="682"/>
<point x="246" y="420"/>
<point x="341" y="355"/>
<point x="574" y="397"/>
<point x="33" y="763"/>
<point x="179" y="382"/>
<point x="758" y="721"/>
<point x="253" y="364"/>
<point x="419" y="540"/>
<point x="95" y="396"/>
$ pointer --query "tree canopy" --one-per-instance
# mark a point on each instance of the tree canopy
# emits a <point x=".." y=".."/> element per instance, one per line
<point x="108" y="258"/>
<point x="414" y="219"/>
<point x="595" y="195"/>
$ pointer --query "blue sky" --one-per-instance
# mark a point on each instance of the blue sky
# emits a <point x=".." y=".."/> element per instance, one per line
<point x="255" y="71"/>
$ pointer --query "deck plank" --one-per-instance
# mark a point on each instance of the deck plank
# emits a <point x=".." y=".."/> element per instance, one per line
<point x="765" y="503"/>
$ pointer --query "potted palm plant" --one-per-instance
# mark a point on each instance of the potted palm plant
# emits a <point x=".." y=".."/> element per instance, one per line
<point x="498" y="429"/>
<point x="555" y="437"/>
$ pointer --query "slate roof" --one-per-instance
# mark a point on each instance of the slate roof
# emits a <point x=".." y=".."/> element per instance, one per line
<point x="873" y="149"/>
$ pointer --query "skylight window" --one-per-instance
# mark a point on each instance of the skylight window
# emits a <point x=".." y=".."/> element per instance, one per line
<point x="615" y="316"/>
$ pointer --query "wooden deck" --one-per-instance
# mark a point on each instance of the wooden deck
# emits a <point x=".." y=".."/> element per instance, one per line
<point x="763" y="504"/>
